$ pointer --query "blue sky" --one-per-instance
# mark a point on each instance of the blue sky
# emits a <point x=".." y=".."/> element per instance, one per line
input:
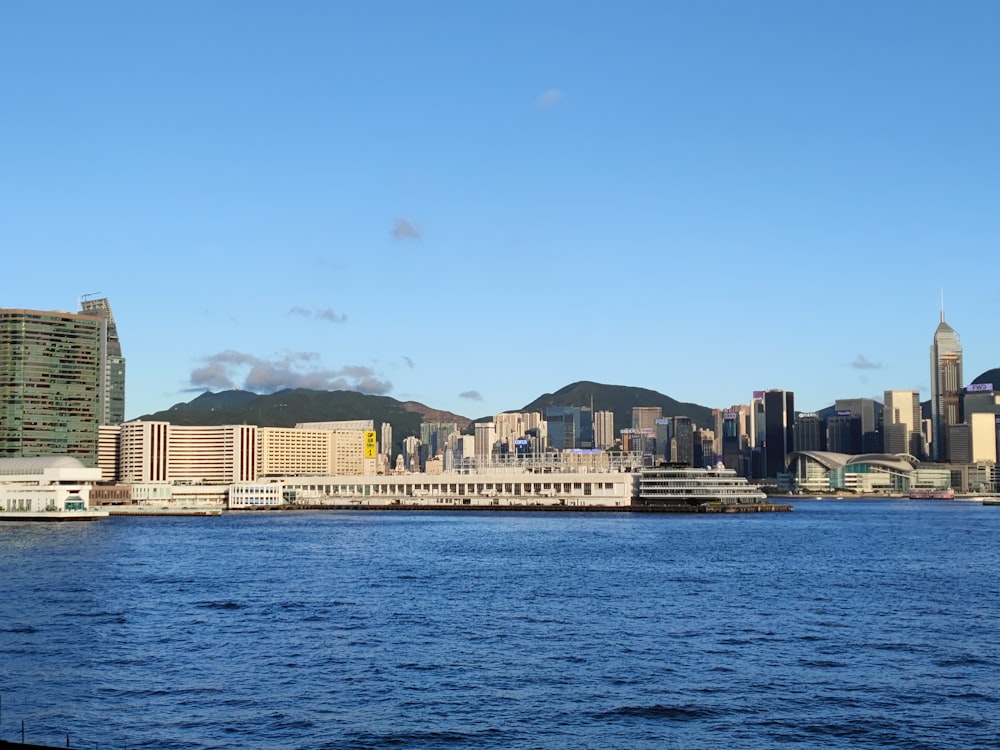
<point x="470" y="204"/>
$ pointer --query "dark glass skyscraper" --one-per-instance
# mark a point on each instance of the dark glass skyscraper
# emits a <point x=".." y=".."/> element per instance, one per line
<point x="810" y="433"/>
<point x="111" y="408"/>
<point x="779" y="411"/>
<point x="570" y="427"/>
<point x="50" y="382"/>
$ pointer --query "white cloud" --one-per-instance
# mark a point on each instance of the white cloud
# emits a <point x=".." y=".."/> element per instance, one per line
<point x="550" y="98"/>
<point x="325" y="313"/>
<point x="231" y="369"/>
<point x="403" y="229"/>
<point x="861" y="362"/>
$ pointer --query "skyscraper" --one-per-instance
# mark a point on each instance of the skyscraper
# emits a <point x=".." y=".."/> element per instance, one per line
<point x="644" y="417"/>
<point x="869" y="411"/>
<point x="779" y="414"/>
<point x="50" y="384"/>
<point x="604" y="429"/>
<point x="682" y="441"/>
<point x="570" y="427"/>
<point x="810" y="433"/>
<point x="111" y="407"/>
<point x="946" y="387"/>
<point x="901" y="423"/>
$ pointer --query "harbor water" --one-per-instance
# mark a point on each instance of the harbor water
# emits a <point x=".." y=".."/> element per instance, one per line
<point x="842" y="624"/>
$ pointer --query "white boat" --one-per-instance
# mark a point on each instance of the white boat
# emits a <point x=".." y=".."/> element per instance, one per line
<point x="87" y="514"/>
<point x="679" y="486"/>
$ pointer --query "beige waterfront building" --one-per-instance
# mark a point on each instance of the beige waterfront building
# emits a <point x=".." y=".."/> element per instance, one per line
<point x="152" y="452"/>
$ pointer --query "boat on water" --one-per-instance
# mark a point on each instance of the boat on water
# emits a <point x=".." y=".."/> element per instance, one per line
<point x="681" y="487"/>
<point x="931" y="493"/>
<point x="54" y="514"/>
<point x="148" y="509"/>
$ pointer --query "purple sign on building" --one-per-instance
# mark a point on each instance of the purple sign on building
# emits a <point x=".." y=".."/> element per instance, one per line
<point x="979" y="387"/>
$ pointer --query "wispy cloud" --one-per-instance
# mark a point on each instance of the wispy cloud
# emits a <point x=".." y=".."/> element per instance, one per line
<point x="861" y="362"/>
<point x="324" y="313"/>
<point x="471" y="395"/>
<point x="403" y="229"/>
<point x="409" y="362"/>
<point x="232" y="369"/>
<point x="550" y="98"/>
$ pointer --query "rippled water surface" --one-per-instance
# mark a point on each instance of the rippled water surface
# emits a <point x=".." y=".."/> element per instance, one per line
<point x="842" y="624"/>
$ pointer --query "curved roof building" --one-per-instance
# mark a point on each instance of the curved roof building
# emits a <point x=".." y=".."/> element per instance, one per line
<point x="37" y="465"/>
<point x="868" y="472"/>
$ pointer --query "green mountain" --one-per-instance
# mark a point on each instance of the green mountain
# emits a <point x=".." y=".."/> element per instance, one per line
<point x="289" y="407"/>
<point x="620" y="399"/>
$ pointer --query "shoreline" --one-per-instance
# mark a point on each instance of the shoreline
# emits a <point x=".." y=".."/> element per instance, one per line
<point x="642" y="509"/>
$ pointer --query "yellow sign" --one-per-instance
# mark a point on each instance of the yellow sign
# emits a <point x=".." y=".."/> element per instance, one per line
<point x="371" y="445"/>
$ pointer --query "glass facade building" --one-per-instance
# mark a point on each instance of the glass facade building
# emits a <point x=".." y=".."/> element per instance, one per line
<point x="50" y="384"/>
<point x="946" y="387"/>
<point x="111" y="410"/>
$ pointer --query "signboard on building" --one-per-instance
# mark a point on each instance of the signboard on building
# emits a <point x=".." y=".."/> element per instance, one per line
<point x="371" y="444"/>
<point x="980" y="388"/>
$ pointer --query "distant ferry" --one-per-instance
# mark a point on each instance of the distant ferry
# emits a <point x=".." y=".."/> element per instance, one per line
<point x="680" y="486"/>
<point x="932" y="494"/>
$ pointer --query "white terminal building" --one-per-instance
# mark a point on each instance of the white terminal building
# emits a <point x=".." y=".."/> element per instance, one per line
<point x="46" y="488"/>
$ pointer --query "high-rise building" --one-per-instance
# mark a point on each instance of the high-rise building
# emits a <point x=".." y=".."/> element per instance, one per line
<point x="486" y="435"/>
<point x="604" y="429"/>
<point x="901" y="423"/>
<point x="570" y="427"/>
<point x="810" y="433"/>
<point x="733" y="441"/>
<point x="868" y="410"/>
<point x="844" y="433"/>
<point x="644" y="417"/>
<point x="385" y="440"/>
<point x="682" y="441"/>
<point x="779" y="411"/>
<point x="434" y="436"/>
<point x="111" y="406"/>
<point x="946" y="387"/>
<point x="50" y="384"/>
<point x="704" y="448"/>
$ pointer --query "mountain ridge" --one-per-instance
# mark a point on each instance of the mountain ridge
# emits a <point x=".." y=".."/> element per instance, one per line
<point x="288" y="407"/>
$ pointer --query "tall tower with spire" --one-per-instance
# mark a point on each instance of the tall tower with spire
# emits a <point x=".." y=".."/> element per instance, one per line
<point x="946" y="386"/>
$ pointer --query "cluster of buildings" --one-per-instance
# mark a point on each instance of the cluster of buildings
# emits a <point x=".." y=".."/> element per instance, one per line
<point x="62" y="394"/>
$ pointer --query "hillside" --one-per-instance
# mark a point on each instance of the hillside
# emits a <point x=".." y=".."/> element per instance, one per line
<point x="620" y="399"/>
<point x="289" y="407"/>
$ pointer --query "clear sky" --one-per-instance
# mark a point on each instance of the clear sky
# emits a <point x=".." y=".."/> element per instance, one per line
<point x="469" y="204"/>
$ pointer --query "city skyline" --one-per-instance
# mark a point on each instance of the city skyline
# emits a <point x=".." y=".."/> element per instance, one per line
<point x="467" y="207"/>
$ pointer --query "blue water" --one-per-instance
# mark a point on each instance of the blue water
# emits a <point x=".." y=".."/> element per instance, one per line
<point x="842" y="624"/>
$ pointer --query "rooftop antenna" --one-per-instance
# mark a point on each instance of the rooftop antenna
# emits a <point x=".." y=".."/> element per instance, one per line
<point x="942" y="304"/>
